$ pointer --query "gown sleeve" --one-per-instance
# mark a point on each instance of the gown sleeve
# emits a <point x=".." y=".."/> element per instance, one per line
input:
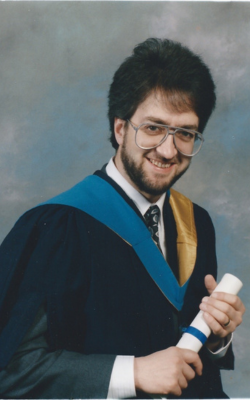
<point x="46" y="255"/>
<point x="34" y="372"/>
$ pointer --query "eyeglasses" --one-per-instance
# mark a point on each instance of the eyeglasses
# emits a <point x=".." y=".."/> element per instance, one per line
<point x="149" y="136"/>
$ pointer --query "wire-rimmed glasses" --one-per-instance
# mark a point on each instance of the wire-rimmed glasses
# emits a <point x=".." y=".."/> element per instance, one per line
<point x="151" y="135"/>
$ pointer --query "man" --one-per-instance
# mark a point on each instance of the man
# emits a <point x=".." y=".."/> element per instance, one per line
<point x="99" y="283"/>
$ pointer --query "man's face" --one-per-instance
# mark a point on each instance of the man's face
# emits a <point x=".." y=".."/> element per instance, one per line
<point x="154" y="171"/>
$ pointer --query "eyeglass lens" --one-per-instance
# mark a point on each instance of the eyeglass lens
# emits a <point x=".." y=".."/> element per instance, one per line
<point x="149" y="136"/>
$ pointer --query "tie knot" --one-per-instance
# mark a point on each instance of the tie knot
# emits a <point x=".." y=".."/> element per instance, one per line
<point x="152" y="215"/>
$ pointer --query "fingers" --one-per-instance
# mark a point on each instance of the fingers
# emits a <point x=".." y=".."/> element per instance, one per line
<point x="183" y="384"/>
<point x="231" y="299"/>
<point x="216" y="327"/>
<point x="167" y="371"/>
<point x="192" y="358"/>
<point x="223" y="312"/>
<point x="188" y="372"/>
<point x="210" y="283"/>
<point x="224" y="306"/>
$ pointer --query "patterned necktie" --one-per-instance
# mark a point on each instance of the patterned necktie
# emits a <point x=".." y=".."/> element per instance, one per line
<point x="152" y="218"/>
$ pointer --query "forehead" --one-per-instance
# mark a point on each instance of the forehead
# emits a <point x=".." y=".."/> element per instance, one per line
<point x="159" y="108"/>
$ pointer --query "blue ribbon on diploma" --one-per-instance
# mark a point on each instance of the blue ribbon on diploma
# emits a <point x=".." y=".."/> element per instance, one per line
<point x="196" y="333"/>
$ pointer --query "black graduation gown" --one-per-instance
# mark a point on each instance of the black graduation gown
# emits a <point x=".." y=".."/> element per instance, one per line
<point x="99" y="299"/>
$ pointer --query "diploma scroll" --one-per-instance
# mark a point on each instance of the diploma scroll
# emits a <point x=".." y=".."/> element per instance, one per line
<point x="198" y="332"/>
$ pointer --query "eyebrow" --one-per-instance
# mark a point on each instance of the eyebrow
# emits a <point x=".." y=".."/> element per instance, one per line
<point x="160" y="121"/>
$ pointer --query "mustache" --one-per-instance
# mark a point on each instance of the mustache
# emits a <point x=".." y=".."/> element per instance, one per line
<point x="174" y="160"/>
<point x="163" y="160"/>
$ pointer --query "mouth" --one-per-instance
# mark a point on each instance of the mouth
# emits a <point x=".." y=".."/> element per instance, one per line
<point x="159" y="164"/>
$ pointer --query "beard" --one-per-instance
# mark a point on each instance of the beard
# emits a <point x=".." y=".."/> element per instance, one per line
<point x="140" y="179"/>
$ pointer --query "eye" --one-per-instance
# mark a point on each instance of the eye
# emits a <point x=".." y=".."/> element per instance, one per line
<point x="154" y="129"/>
<point x="185" y="135"/>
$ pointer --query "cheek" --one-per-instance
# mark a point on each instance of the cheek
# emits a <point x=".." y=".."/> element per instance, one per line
<point x="184" y="160"/>
<point x="185" y="164"/>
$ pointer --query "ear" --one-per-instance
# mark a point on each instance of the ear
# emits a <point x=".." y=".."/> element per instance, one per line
<point x="119" y="129"/>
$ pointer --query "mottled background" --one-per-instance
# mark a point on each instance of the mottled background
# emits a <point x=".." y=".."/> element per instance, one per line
<point x="56" y="63"/>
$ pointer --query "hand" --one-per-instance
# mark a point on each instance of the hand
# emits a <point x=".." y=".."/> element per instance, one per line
<point x="222" y="311"/>
<point x="167" y="371"/>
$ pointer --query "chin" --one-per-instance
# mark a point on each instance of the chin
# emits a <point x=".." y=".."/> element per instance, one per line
<point x="152" y="189"/>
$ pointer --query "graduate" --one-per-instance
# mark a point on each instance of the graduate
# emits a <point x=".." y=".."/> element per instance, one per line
<point x="98" y="284"/>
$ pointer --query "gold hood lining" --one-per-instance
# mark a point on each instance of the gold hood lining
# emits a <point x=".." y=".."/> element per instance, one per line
<point x="186" y="234"/>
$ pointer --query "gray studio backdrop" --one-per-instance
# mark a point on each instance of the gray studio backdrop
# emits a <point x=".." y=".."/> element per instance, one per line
<point x="56" y="64"/>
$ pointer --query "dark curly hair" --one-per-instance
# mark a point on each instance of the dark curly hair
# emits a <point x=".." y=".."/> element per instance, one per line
<point x="165" y="65"/>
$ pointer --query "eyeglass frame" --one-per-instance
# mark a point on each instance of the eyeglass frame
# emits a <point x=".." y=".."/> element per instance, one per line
<point x="136" y="129"/>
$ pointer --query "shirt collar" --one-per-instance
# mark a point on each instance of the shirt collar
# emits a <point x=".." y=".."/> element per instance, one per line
<point x="140" y="201"/>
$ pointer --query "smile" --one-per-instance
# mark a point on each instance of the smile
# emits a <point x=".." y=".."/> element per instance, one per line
<point x="159" y="164"/>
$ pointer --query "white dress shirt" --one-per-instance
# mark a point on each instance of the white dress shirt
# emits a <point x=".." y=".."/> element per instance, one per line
<point x="140" y="201"/>
<point x="122" y="378"/>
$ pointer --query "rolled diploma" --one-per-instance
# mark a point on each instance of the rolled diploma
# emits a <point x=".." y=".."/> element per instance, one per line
<point x="198" y="332"/>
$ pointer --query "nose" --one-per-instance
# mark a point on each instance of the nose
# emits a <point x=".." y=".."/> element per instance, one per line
<point x="167" y="149"/>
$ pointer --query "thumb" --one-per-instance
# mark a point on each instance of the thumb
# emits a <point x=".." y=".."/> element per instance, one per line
<point x="210" y="283"/>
